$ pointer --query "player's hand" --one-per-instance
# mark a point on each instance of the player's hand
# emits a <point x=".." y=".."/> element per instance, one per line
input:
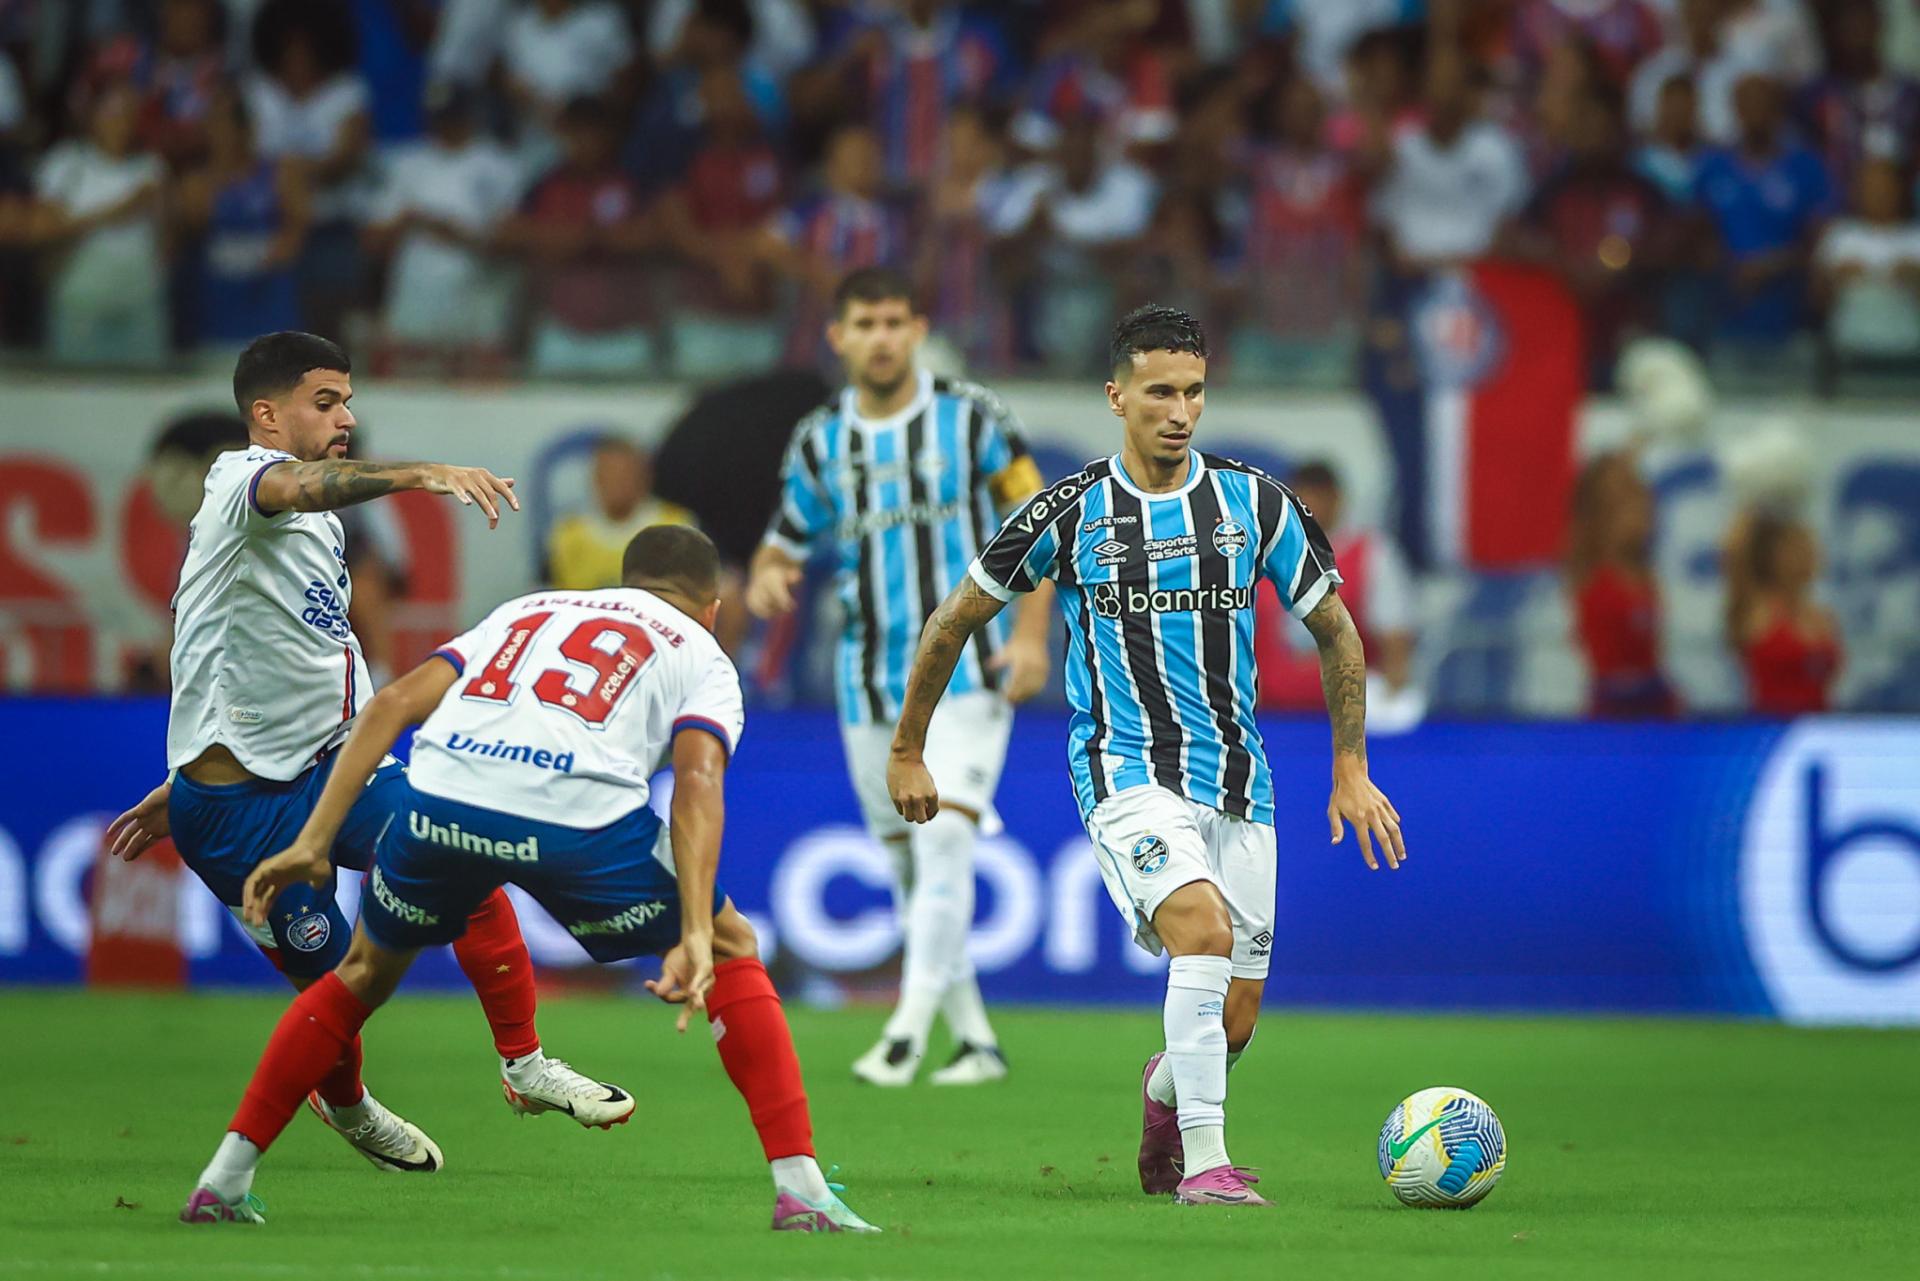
<point x="295" y="863"/>
<point x="770" y="590"/>
<point x="472" y="485"/>
<point x="1025" y="663"/>
<point x="129" y="835"/>
<point x="910" y="784"/>
<point x="686" y="975"/>
<point x="1360" y="803"/>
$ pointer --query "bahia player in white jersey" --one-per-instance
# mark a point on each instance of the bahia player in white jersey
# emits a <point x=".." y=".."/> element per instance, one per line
<point x="267" y="679"/>
<point x="542" y="727"/>
<point x="905" y="476"/>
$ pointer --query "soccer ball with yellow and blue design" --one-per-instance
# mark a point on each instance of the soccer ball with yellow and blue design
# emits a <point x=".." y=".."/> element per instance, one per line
<point x="1442" y="1147"/>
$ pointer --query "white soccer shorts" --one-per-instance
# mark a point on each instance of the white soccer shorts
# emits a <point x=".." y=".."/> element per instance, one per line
<point x="966" y="750"/>
<point x="1151" y="841"/>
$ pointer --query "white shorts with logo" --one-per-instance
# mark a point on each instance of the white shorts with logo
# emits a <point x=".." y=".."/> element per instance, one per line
<point x="966" y="750"/>
<point x="1151" y="841"/>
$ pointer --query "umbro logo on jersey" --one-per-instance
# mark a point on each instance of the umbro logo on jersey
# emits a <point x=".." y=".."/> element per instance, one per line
<point x="1111" y="600"/>
<point x="1111" y="552"/>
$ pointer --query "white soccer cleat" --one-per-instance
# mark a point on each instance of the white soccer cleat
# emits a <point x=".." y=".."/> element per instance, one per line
<point x="388" y="1140"/>
<point x="973" y="1065"/>
<point x="558" y="1088"/>
<point x="888" y="1063"/>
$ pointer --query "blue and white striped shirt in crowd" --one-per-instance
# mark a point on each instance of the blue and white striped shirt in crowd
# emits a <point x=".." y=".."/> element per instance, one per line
<point x="1158" y="593"/>
<point x="906" y="503"/>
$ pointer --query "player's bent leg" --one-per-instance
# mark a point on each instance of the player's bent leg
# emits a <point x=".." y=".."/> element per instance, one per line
<point x="310" y="1037"/>
<point x="756" y="1049"/>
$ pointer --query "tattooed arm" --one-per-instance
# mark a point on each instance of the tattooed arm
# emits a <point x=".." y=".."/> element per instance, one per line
<point x="1343" y="678"/>
<point x="328" y="484"/>
<point x="961" y="614"/>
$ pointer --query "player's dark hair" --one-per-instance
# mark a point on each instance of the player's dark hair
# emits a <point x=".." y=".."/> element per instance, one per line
<point x="273" y="365"/>
<point x="873" y="284"/>
<point x="1154" y="327"/>
<point x="1318" y="473"/>
<point x="677" y="557"/>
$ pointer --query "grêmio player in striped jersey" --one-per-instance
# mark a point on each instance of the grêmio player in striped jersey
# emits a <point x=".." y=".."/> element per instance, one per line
<point x="1156" y="553"/>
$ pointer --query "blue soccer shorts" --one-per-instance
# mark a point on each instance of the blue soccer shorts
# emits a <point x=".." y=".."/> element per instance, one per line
<point x="223" y="832"/>
<point x="612" y="887"/>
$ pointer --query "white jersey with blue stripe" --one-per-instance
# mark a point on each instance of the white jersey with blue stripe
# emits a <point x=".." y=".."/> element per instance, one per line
<point x="905" y="503"/>
<point x="1158" y="592"/>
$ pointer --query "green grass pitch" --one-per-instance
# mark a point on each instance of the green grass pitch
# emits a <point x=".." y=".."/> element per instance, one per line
<point x="1636" y="1148"/>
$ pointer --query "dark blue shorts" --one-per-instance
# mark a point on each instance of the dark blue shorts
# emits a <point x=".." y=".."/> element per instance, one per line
<point x="224" y="832"/>
<point x="440" y="858"/>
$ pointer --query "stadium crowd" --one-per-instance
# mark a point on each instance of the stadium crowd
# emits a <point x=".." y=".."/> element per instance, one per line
<point x="579" y="187"/>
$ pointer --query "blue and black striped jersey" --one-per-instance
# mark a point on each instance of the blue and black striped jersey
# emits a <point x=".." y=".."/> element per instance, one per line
<point x="906" y="503"/>
<point x="1158" y="592"/>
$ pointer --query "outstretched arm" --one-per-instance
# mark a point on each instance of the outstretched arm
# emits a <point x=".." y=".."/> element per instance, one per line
<point x="1343" y="679"/>
<point x="407" y="701"/>
<point x="967" y="609"/>
<point x="328" y="484"/>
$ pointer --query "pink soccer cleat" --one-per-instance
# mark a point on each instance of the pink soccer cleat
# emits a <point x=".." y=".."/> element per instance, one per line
<point x="1160" y="1147"/>
<point x="206" y="1206"/>
<point x="1222" y="1185"/>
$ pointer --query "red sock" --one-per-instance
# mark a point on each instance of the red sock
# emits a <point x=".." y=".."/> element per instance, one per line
<point x="317" y="1030"/>
<point x="495" y="960"/>
<point x="341" y="1086"/>
<point x="750" y="1031"/>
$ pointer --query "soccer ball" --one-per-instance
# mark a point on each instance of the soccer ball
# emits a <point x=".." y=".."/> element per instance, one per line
<point x="1442" y="1147"/>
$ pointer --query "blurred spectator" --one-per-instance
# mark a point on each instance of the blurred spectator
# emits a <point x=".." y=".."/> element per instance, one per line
<point x="249" y="216"/>
<point x="1609" y="231"/>
<point x="1700" y="53"/>
<point x="1375" y="585"/>
<point x="436" y="216"/>
<point x="1107" y="70"/>
<point x="584" y="228"/>
<point x="554" y="51"/>
<point x="1616" y="598"/>
<point x="187" y="68"/>
<point x="584" y="549"/>
<point x="782" y="32"/>
<point x="672" y="120"/>
<point x="914" y="62"/>
<point x="1304" y="223"/>
<point x="1381" y="95"/>
<point x="98" y="210"/>
<point x="1618" y="33"/>
<point x="1669" y="157"/>
<point x="821" y="238"/>
<point x="1766" y="198"/>
<point x="955" y="268"/>
<point x="310" y="106"/>
<point x="1859" y="109"/>
<point x="723" y="318"/>
<point x="1449" y="186"/>
<point x="1867" y="269"/>
<point x="1072" y="223"/>
<point x="466" y="42"/>
<point x="1325" y="33"/>
<point x="1788" y="643"/>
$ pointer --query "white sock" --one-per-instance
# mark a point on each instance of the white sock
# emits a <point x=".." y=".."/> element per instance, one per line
<point x="230" y="1173"/>
<point x="523" y="1071"/>
<point x="965" y="1010"/>
<point x="939" y="915"/>
<point x="801" y="1176"/>
<point x="351" y="1116"/>
<point x="1160" y="1084"/>
<point x="1197" y="1054"/>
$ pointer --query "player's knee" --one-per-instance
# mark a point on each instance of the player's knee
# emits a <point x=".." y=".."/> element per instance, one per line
<point x="371" y="972"/>
<point x="1194" y="922"/>
<point x="733" y="936"/>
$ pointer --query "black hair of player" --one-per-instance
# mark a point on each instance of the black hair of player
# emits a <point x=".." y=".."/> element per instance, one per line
<point x="1154" y="327"/>
<point x="1318" y="474"/>
<point x="873" y="284"/>
<point x="677" y="557"/>
<point x="273" y="365"/>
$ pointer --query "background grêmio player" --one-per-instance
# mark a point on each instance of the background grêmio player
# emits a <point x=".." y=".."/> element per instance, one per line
<point x="905" y="475"/>
<point x="1156" y="552"/>
<point x="543" y="726"/>
<point x="267" y="678"/>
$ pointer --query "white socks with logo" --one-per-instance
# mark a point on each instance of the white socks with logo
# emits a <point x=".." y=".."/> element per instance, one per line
<point x="939" y="915"/>
<point x="230" y="1173"/>
<point x="522" y="1072"/>
<point x="1197" y="1055"/>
